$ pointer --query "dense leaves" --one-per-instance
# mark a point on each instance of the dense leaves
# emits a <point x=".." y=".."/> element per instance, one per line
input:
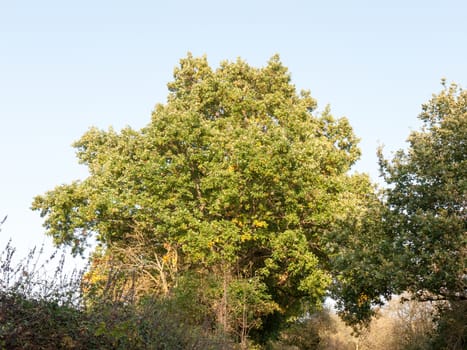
<point x="41" y="311"/>
<point x="236" y="176"/>
<point x="427" y="198"/>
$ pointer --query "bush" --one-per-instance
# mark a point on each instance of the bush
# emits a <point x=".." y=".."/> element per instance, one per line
<point x="451" y="330"/>
<point x="37" y="312"/>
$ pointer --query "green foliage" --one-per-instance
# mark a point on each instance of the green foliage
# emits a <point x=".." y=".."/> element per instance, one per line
<point x="31" y="324"/>
<point x="236" y="175"/>
<point x="46" y="312"/>
<point x="35" y="311"/>
<point x="426" y="200"/>
<point x="414" y="240"/>
<point x="195" y="298"/>
<point x="307" y="333"/>
<point x="363" y="265"/>
<point x="451" y="326"/>
<point x="249" y="301"/>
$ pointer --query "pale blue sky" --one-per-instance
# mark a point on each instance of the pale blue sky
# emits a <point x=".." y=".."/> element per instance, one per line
<point x="68" y="65"/>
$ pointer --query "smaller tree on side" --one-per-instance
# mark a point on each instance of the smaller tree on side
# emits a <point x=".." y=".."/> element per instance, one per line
<point x="427" y="202"/>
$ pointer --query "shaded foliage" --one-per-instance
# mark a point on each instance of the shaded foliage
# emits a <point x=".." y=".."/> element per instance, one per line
<point x="62" y="319"/>
<point x="426" y="220"/>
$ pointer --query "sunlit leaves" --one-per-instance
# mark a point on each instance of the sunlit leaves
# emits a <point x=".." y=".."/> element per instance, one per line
<point x="237" y="173"/>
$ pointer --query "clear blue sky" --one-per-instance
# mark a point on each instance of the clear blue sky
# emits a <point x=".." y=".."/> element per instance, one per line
<point x="69" y="65"/>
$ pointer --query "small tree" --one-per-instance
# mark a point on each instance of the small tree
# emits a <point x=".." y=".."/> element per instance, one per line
<point x="426" y="216"/>
<point x="426" y="200"/>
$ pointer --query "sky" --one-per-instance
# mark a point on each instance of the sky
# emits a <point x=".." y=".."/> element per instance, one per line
<point x="68" y="65"/>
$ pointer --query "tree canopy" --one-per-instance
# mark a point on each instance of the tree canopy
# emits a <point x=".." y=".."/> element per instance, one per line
<point x="238" y="178"/>
<point x="426" y="200"/>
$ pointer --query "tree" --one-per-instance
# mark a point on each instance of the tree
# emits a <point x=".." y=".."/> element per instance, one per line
<point x="236" y="176"/>
<point x="427" y="199"/>
<point x="362" y="263"/>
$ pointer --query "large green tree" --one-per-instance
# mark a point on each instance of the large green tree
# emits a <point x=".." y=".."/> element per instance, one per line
<point x="236" y="176"/>
<point x="426" y="220"/>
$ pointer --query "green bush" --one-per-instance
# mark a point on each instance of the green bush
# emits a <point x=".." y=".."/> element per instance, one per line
<point x="37" y="312"/>
<point x="451" y="331"/>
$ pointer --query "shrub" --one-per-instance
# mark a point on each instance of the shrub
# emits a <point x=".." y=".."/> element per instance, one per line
<point x="39" y="312"/>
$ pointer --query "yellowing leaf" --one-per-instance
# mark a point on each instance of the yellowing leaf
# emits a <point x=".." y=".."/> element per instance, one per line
<point x="260" y="223"/>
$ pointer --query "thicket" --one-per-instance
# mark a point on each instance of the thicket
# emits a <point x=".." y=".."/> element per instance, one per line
<point x="39" y="311"/>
